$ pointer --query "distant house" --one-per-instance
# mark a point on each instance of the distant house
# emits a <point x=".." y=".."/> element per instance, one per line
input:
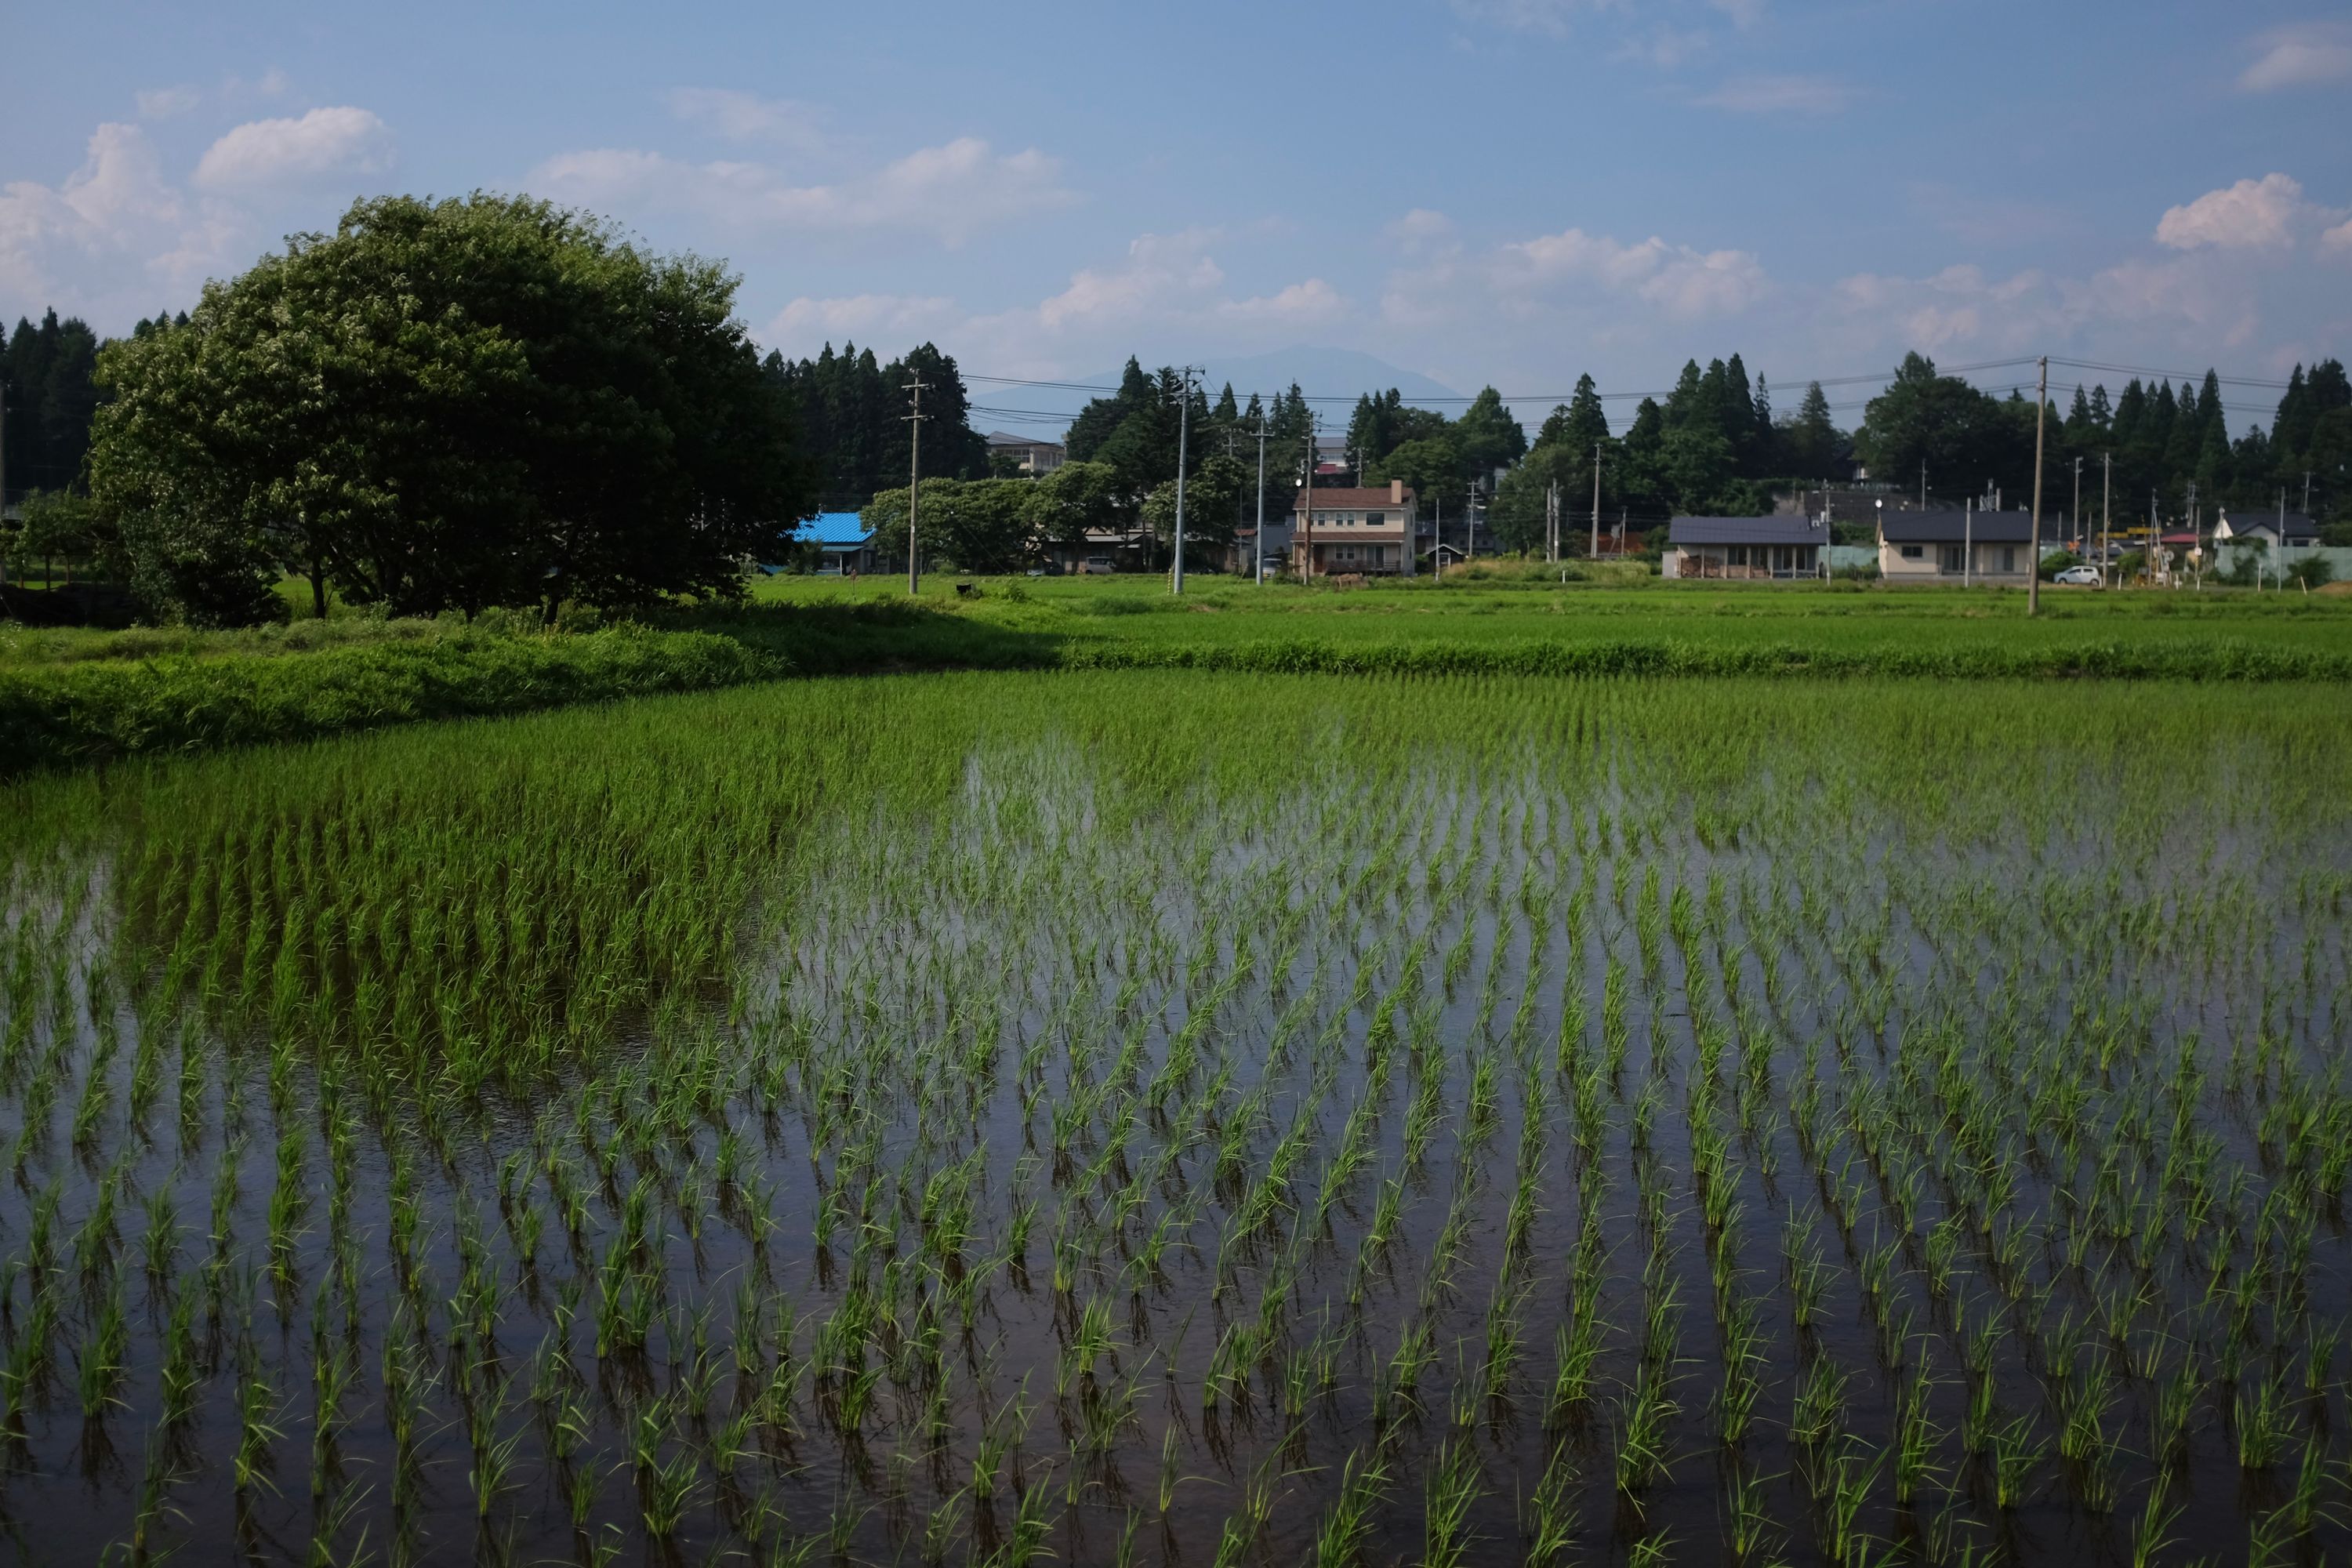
<point x="2294" y="529"/>
<point x="1741" y="549"/>
<point x="844" y="544"/>
<point x="1029" y="455"/>
<point x="1956" y="546"/>
<point x="1342" y="529"/>
<point x="1274" y="546"/>
<point x="1102" y="549"/>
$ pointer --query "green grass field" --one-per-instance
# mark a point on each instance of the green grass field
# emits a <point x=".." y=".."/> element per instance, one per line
<point x="1216" y="609"/>
<point x="71" y="696"/>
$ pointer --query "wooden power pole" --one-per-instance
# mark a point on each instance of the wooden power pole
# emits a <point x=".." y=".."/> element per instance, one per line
<point x="2033" y="551"/>
<point x="914" y="481"/>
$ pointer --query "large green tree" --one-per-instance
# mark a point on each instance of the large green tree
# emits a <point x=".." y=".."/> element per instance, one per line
<point x="481" y="401"/>
<point x="971" y="525"/>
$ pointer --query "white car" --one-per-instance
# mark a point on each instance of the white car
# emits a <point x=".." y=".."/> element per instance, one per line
<point x="2079" y="577"/>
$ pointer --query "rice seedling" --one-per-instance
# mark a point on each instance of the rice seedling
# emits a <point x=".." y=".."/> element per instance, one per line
<point x="769" y="1120"/>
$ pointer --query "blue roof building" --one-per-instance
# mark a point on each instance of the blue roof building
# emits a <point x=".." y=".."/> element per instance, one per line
<point x="844" y="543"/>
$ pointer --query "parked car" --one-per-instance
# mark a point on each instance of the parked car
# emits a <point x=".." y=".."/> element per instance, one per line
<point x="2080" y="577"/>
<point x="1096" y="565"/>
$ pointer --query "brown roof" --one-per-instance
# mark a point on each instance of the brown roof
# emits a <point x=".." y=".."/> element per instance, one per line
<point x="1340" y="497"/>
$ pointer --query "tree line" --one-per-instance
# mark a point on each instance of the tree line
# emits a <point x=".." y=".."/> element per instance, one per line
<point x="495" y="401"/>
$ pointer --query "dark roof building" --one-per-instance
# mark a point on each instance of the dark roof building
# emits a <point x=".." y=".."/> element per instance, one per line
<point x="1959" y="527"/>
<point x="1746" y="531"/>
<point x="2293" y="528"/>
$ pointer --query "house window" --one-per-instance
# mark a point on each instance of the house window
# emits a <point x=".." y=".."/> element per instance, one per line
<point x="1374" y="519"/>
<point x="1914" y="551"/>
<point x="2008" y="558"/>
<point x="1952" y="558"/>
<point x="1736" y="555"/>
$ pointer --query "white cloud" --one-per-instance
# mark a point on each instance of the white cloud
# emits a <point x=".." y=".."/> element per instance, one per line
<point x="1166" y="288"/>
<point x="1304" y="304"/>
<point x="1159" y="271"/>
<point x="113" y="233"/>
<point x="746" y="116"/>
<point x="1549" y="18"/>
<point x="1958" y="305"/>
<point x="2252" y="214"/>
<point x="339" y="141"/>
<point x="165" y="102"/>
<point x="2197" y="302"/>
<point x="2304" y="55"/>
<point x="1665" y="47"/>
<point x="1780" y="95"/>
<point x="2337" y="241"/>
<point x="1644" y="28"/>
<point x="952" y="190"/>
<point x="806" y="324"/>
<point x="1685" y="283"/>
<point x="2186" y="291"/>
<point x="1422" y="229"/>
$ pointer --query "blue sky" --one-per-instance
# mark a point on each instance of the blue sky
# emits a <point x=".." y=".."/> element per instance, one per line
<point x="1483" y="191"/>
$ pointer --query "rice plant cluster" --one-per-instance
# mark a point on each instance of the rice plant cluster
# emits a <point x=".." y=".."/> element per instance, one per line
<point x="1132" y="1118"/>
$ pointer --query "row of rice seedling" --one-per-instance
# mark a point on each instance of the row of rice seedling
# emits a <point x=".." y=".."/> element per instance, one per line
<point x="1193" y="1118"/>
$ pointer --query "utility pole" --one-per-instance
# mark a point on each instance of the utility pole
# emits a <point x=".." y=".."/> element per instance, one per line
<point x="1923" y="484"/>
<point x="1258" y="548"/>
<point x="1470" y="522"/>
<point x="1183" y="439"/>
<point x="1968" y="541"/>
<point x="2078" y="500"/>
<point x="1437" y="534"/>
<point x="2034" y="551"/>
<point x="2306" y="493"/>
<point x="4" y="484"/>
<point x="2196" y="536"/>
<point x="914" y="481"/>
<point x="1552" y="521"/>
<point x="2107" y="529"/>
<point x="1596" y="499"/>
<point x="1303" y="535"/>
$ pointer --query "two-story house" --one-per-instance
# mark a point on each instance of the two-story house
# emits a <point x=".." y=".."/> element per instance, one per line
<point x="1340" y="530"/>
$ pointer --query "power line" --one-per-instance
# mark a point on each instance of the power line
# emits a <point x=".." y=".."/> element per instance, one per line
<point x="1866" y="378"/>
<point x="2168" y="375"/>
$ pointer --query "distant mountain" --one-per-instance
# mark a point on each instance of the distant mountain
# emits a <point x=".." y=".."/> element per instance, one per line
<point x="1321" y="373"/>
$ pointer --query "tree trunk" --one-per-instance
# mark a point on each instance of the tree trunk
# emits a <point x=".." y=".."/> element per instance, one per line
<point x="317" y="590"/>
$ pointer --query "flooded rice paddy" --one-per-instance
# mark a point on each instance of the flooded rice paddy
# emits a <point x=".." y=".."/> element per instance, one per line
<point x="1172" y="1119"/>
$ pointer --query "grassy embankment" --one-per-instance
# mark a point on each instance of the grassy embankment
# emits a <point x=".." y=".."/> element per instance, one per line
<point x="69" y="697"/>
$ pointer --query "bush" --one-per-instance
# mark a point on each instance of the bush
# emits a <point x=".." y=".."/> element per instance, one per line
<point x="2311" y="571"/>
<point x="97" y="710"/>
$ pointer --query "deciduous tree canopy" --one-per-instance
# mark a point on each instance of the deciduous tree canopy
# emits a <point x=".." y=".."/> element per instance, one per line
<point x="449" y="404"/>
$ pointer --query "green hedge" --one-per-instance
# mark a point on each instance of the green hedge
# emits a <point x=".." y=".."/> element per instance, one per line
<point x="91" y="711"/>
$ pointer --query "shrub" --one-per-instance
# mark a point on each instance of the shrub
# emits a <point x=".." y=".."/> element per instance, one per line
<point x="97" y="710"/>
